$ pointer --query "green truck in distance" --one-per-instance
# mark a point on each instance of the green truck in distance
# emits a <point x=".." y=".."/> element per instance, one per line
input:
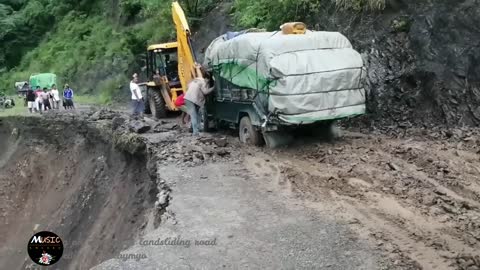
<point x="42" y="80"/>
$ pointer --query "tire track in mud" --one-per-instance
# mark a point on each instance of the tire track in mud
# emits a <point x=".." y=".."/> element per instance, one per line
<point x="417" y="199"/>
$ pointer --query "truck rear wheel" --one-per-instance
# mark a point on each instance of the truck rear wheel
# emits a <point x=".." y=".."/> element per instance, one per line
<point x="248" y="134"/>
<point x="327" y="130"/>
<point x="275" y="139"/>
<point x="157" y="104"/>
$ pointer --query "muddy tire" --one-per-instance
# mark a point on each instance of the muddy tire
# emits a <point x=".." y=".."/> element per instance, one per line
<point x="275" y="139"/>
<point x="147" y="107"/>
<point x="146" y="110"/>
<point x="328" y="131"/>
<point x="248" y="134"/>
<point x="156" y="103"/>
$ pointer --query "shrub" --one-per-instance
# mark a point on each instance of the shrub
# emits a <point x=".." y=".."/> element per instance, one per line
<point x="271" y="14"/>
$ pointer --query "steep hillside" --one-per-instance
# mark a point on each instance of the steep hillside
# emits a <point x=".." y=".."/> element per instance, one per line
<point x="93" y="44"/>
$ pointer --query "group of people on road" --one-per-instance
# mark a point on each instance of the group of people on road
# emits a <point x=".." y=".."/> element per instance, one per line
<point x="40" y="100"/>
<point x="191" y="103"/>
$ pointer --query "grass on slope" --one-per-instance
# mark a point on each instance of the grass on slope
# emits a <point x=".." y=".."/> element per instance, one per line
<point x="17" y="110"/>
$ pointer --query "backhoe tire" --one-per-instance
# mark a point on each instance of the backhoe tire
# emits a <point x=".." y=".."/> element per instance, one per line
<point x="157" y="104"/>
<point x="204" y="122"/>
<point x="147" y="107"/>
<point x="248" y="134"/>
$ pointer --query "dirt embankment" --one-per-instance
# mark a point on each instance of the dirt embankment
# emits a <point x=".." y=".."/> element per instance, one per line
<point x="64" y="175"/>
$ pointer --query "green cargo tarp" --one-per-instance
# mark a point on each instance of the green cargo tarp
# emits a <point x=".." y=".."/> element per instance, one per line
<point x="43" y="80"/>
<point x="299" y="78"/>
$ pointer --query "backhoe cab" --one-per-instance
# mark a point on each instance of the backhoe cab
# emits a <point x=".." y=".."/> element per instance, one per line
<point x="169" y="68"/>
<point x="163" y="85"/>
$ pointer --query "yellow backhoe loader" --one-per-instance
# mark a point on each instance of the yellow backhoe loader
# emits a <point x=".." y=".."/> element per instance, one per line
<point x="169" y="68"/>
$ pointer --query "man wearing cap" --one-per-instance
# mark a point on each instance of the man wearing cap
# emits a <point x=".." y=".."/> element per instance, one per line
<point x="138" y="105"/>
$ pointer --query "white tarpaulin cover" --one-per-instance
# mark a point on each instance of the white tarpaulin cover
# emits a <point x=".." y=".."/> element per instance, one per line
<point x="306" y="78"/>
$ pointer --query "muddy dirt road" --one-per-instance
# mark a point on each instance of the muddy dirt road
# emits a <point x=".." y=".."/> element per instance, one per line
<point x="369" y="200"/>
<point x="416" y="198"/>
<point x="410" y="201"/>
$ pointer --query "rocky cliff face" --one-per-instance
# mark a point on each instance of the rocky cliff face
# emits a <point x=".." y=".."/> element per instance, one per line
<point x="423" y="59"/>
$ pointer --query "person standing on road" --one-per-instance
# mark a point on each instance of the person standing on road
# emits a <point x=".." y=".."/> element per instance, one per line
<point x="55" y="97"/>
<point x="25" y="89"/>
<point x="46" y="100"/>
<point x="38" y="99"/>
<point x="68" y="97"/>
<point x="197" y="89"/>
<point x="138" y="105"/>
<point x="31" y="100"/>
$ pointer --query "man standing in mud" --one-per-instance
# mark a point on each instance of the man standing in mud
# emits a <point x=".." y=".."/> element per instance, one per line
<point x="137" y="98"/>
<point x="198" y="89"/>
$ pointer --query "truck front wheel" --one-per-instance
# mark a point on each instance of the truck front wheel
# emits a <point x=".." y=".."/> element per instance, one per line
<point x="248" y="134"/>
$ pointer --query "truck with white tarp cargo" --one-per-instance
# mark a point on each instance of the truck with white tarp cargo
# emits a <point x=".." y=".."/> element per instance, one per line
<point x="269" y="82"/>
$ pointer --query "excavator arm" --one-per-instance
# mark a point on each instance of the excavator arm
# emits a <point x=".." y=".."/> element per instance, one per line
<point x="186" y="56"/>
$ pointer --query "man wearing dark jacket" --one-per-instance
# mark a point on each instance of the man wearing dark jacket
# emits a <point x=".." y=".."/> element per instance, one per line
<point x="31" y="100"/>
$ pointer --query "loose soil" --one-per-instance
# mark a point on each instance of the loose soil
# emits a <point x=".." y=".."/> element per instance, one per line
<point x="416" y="197"/>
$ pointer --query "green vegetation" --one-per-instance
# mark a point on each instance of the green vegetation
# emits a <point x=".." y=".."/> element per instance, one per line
<point x="94" y="45"/>
<point x="88" y="100"/>
<point x="91" y="44"/>
<point x="270" y="14"/>
<point x="359" y="5"/>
